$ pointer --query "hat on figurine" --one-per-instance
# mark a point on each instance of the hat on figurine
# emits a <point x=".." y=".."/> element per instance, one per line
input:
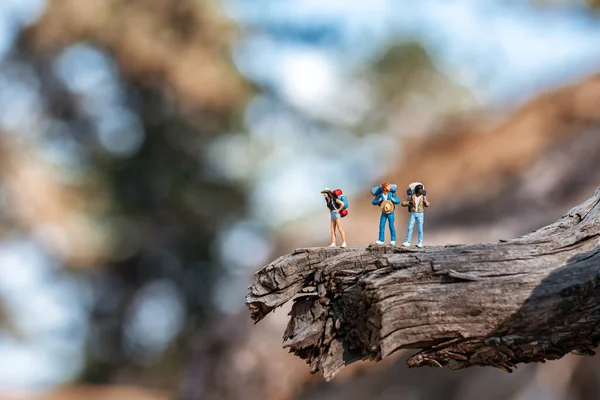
<point x="387" y="207"/>
<point x="326" y="190"/>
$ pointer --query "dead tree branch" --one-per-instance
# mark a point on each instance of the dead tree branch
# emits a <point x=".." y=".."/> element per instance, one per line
<point x="529" y="299"/>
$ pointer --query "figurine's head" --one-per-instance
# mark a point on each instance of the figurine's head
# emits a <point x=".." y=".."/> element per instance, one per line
<point x="327" y="194"/>
<point x="385" y="187"/>
<point x="419" y="190"/>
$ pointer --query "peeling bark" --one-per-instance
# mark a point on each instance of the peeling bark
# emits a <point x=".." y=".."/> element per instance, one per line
<point x="529" y="299"/>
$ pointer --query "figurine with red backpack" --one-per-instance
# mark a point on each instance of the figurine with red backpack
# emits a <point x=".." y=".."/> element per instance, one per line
<point x="337" y="204"/>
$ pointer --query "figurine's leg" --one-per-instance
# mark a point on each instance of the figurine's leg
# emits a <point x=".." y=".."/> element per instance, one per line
<point x="391" y="219"/>
<point x="382" y="227"/>
<point x="411" y="225"/>
<point x="338" y="223"/>
<point x="420" y="217"/>
<point x="332" y="225"/>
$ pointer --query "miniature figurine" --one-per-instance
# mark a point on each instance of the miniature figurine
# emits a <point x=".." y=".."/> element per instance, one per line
<point x="385" y="198"/>
<point x="337" y="204"/>
<point x="416" y="201"/>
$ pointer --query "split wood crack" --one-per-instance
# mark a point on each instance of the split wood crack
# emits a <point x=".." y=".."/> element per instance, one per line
<point x="529" y="299"/>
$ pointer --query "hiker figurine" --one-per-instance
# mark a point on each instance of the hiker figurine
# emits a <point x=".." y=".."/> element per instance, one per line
<point x="416" y="201"/>
<point x="337" y="204"/>
<point x="385" y="198"/>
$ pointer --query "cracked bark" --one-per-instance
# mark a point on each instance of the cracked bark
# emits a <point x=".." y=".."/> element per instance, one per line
<point x="529" y="299"/>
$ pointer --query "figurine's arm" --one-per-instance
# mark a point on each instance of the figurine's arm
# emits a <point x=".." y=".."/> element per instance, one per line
<point x="377" y="200"/>
<point x="395" y="199"/>
<point x="425" y="202"/>
<point x="341" y="203"/>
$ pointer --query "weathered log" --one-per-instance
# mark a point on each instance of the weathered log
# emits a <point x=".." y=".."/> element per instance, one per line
<point x="529" y="299"/>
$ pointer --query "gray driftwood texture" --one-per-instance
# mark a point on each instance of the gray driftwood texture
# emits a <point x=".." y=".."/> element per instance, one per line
<point x="529" y="299"/>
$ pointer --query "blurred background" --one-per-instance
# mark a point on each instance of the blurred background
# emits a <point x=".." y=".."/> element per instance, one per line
<point x="155" y="153"/>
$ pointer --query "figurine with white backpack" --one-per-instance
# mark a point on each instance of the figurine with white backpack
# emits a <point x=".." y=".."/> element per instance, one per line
<point x="337" y="204"/>
<point x="416" y="201"/>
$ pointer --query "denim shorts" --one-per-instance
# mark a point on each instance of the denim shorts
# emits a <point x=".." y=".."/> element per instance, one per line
<point x="335" y="215"/>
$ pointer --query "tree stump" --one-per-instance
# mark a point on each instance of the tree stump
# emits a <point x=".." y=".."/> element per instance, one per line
<point x="529" y="299"/>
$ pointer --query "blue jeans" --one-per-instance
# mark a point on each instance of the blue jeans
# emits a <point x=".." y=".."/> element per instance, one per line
<point x="418" y="216"/>
<point x="334" y="215"/>
<point x="389" y="218"/>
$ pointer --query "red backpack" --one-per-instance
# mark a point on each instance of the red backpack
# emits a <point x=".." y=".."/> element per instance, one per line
<point x="340" y="196"/>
